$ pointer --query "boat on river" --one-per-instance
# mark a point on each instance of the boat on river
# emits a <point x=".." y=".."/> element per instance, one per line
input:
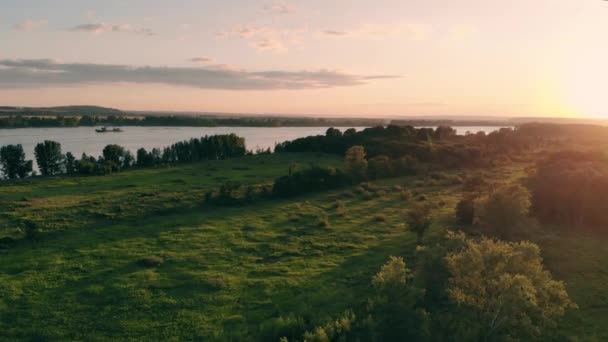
<point x="106" y="130"/>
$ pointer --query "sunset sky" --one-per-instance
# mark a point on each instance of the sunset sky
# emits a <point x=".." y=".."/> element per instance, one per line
<point x="340" y="57"/>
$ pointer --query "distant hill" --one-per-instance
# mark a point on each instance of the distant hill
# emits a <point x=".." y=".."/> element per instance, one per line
<point x="62" y="110"/>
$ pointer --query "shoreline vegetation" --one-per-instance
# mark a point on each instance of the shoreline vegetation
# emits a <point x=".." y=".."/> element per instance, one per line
<point x="92" y="116"/>
<point x="392" y="233"/>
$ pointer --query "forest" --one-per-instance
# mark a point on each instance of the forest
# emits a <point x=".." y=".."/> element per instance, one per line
<point x="391" y="233"/>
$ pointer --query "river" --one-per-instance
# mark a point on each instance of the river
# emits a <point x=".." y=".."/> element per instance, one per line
<point x="84" y="139"/>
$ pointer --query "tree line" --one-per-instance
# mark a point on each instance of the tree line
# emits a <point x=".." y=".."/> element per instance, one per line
<point x="21" y="121"/>
<point x="52" y="161"/>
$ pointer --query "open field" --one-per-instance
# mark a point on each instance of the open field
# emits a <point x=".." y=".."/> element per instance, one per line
<point x="137" y="254"/>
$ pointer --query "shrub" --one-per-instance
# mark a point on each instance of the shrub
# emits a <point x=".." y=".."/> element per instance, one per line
<point x="290" y="327"/>
<point x="32" y="232"/>
<point x="323" y="221"/>
<point x="368" y="196"/>
<point x="340" y="208"/>
<point x="465" y="210"/>
<point x="380" y="193"/>
<point x="313" y="179"/>
<point x="380" y="218"/>
<point x="379" y="167"/>
<point x="418" y="219"/>
<point x="405" y="195"/>
<point x="503" y="212"/>
<point x="337" y="330"/>
<point x="356" y="165"/>
<point x="406" y="165"/>
<point x="474" y="183"/>
<point x="6" y="241"/>
<point x="151" y="261"/>
<point x="348" y="194"/>
<point x="438" y="176"/>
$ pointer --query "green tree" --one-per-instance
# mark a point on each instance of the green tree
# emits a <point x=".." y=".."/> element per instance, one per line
<point x="504" y="211"/>
<point x="418" y="219"/>
<point x="114" y="158"/>
<point x="144" y="158"/>
<point x="70" y="163"/>
<point x="49" y="157"/>
<point x="128" y="160"/>
<point x="393" y="307"/>
<point x="379" y="167"/>
<point x="350" y="132"/>
<point x="356" y="164"/>
<point x="505" y="288"/>
<point x="86" y="165"/>
<point x="13" y="163"/>
<point x="333" y="132"/>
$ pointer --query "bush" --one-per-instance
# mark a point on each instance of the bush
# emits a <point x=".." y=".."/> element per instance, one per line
<point x="474" y="183"/>
<point x="313" y="179"/>
<point x="32" y="232"/>
<point x="380" y="193"/>
<point x="356" y="164"/>
<point x="368" y="196"/>
<point x="438" y="176"/>
<point x="405" y="195"/>
<point x="151" y="261"/>
<point x="380" y="218"/>
<point x="348" y="194"/>
<point x="465" y="210"/>
<point x="340" y="208"/>
<point x="337" y="330"/>
<point x="418" y="219"/>
<point x="290" y="327"/>
<point x="323" y="221"/>
<point x="379" y="167"/>
<point x="503" y="212"/>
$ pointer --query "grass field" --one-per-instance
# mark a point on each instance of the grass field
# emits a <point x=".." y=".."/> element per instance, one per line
<point x="138" y="254"/>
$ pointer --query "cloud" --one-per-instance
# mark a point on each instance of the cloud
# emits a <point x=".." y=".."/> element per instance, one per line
<point x="335" y="33"/>
<point x="201" y="60"/>
<point x="46" y="73"/>
<point x="30" y="25"/>
<point x="100" y="28"/>
<point x="371" y="31"/>
<point x="264" y="38"/>
<point x="279" y="7"/>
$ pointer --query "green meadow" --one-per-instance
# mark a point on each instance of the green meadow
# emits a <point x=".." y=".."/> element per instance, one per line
<point x="139" y="255"/>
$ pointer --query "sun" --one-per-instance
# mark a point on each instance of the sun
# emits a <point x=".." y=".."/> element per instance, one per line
<point x="585" y="87"/>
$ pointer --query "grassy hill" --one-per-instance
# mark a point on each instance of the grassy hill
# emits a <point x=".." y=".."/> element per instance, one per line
<point x="137" y="255"/>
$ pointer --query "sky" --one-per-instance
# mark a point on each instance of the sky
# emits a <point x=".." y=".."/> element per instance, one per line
<point x="317" y="57"/>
